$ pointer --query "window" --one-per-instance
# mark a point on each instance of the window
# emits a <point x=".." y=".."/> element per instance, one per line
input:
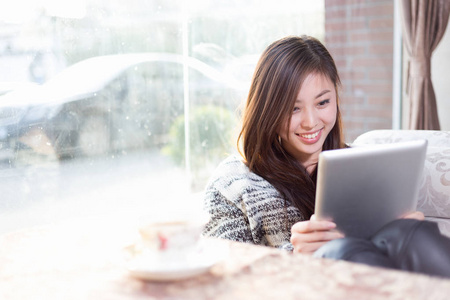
<point x="118" y="106"/>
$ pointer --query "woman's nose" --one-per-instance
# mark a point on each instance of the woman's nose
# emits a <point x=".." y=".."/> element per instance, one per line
<point x="309" y="119"/>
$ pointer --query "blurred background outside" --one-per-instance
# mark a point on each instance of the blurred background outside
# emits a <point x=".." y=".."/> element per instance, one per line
<point x="112" y="106"/>
<point x="128" y="106"/>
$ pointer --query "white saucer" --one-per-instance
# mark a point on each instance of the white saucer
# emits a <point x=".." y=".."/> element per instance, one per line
<point x="208" y="255"/>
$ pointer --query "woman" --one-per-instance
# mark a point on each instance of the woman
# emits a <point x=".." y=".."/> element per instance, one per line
<point x="292" y="114"/>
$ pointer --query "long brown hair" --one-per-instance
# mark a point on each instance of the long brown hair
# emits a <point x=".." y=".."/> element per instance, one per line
<point x="276" y="83"/>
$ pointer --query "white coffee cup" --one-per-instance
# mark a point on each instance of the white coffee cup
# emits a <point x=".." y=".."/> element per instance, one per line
<point x="171" y="240"/>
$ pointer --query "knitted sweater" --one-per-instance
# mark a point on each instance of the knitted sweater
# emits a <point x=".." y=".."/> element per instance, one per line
<point x="245" y="207"/>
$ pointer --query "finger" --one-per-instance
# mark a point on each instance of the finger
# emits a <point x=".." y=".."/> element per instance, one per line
<point x="310" y="226"/>
<point x="341" y="234"/>
<point x="308" y="248"/>
<point x="418" y="215"/>
<point x="316" y="236"/>
<point x="313" y="217"/>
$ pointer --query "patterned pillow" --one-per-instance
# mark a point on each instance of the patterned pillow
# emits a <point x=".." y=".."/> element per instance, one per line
<point x="434" y="194"/>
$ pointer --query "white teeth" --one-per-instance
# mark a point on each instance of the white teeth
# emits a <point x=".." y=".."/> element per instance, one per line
<point x="310" y="136"/>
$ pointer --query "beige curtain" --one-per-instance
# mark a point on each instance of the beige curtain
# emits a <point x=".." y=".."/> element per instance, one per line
<point x="424" y="24"/>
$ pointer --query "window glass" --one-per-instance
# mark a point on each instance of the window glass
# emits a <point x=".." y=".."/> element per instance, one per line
<point x="109" y="105"/>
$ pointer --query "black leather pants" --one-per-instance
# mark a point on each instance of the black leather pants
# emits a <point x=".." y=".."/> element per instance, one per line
<point x="404" y="244"/>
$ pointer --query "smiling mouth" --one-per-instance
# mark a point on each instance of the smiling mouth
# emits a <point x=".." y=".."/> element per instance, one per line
<point x="310" y="136"/>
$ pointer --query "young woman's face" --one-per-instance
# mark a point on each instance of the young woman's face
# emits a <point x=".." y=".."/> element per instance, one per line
<point x="313" y="117"/>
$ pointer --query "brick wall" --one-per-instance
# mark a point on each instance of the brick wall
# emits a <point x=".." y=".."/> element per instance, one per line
<point x="359" y="35"/>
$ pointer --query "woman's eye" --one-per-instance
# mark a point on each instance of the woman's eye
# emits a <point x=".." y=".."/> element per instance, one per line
<point x="296" y="109"/>
<point x="324" y="102"/>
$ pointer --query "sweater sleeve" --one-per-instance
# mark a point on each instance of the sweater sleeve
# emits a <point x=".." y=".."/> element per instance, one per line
<point x="227" y="221"/>
<point x="244" y="207"/>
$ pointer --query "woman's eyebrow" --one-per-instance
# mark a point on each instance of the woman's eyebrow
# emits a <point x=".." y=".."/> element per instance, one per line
<point x="322" y="93"/>
<point x="318" y="96"/>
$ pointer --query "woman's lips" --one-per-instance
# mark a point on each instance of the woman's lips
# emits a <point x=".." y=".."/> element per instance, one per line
<point x="311" y="138"/>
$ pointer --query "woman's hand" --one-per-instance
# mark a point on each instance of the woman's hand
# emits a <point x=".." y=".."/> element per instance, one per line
<point x="308" y="236"/>
<point x="418" y="215"/>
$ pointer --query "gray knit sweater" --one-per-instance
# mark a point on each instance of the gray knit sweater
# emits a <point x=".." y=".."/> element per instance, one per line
<point x="245" y="207"/>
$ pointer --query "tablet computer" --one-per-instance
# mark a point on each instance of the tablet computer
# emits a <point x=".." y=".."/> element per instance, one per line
<point x="362" y="189"/>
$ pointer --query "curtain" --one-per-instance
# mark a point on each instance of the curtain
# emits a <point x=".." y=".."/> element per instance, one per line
<point x="424" y="24"/>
